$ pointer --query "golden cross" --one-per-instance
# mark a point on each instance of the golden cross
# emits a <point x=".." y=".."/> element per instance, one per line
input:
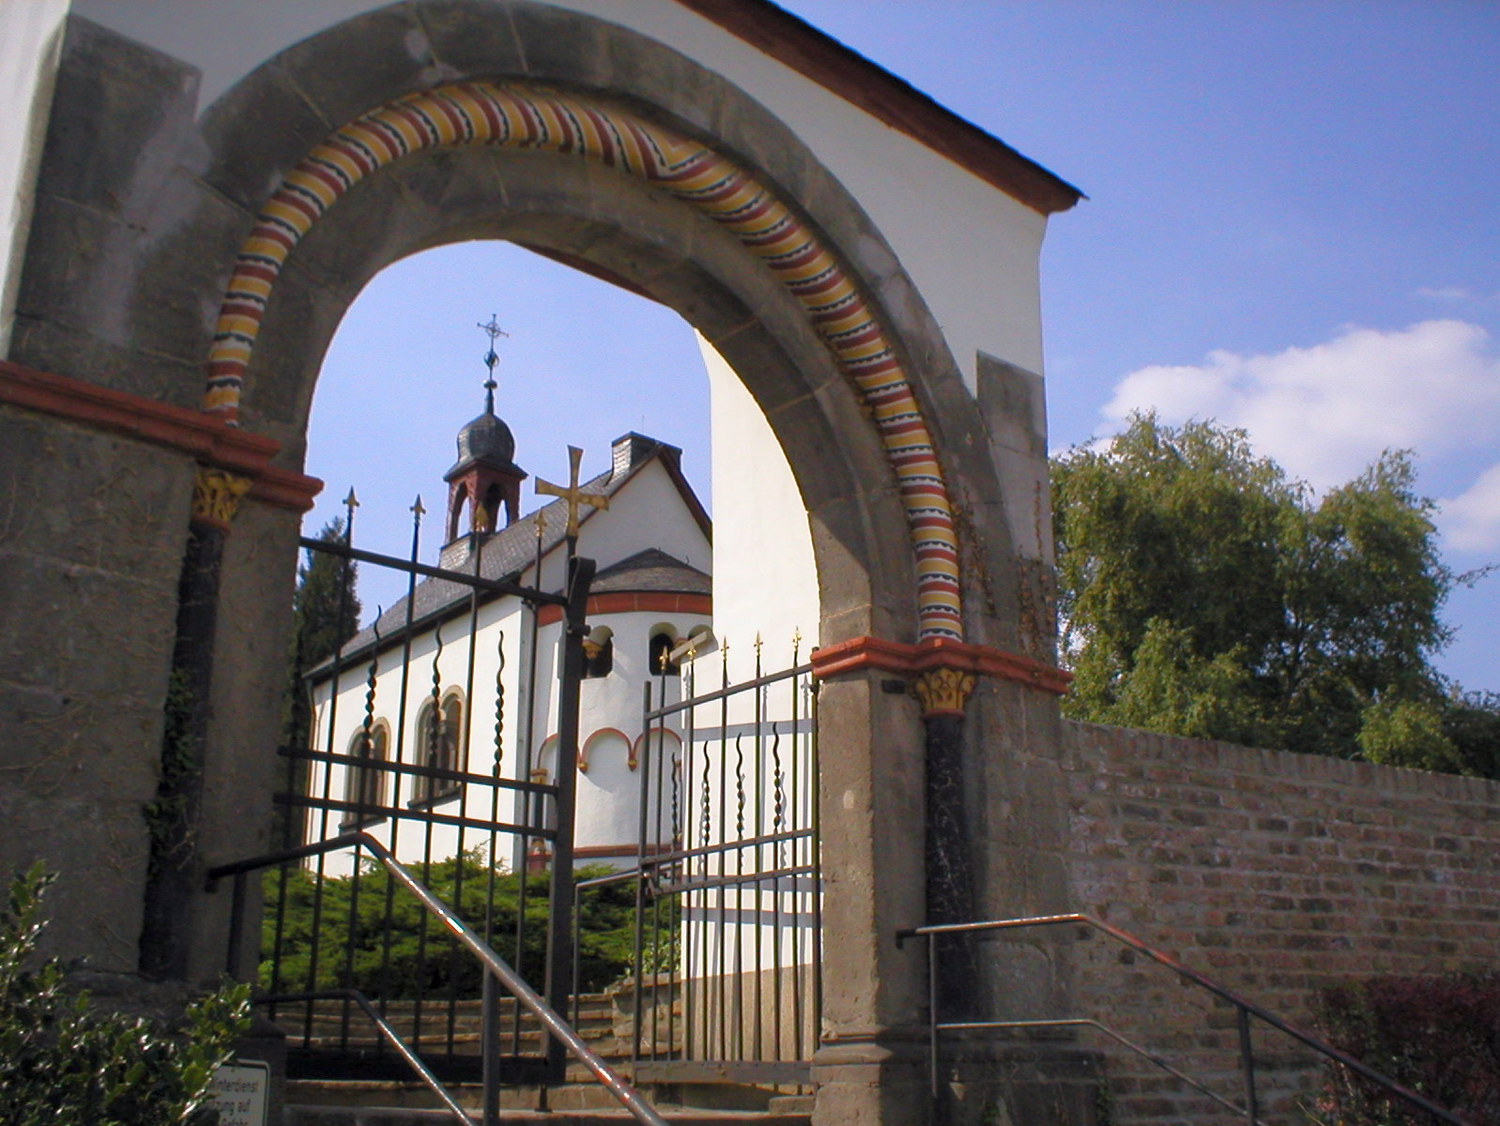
<point x="572" y="494"/>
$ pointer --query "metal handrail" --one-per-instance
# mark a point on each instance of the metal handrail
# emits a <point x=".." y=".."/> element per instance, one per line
<point x="1245" y="1008"/>
<point x="555" y="1025"/>
<point x="392" y="1037"/>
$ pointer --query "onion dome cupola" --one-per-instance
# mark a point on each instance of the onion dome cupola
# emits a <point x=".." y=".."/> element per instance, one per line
<point x="485" y="480"/>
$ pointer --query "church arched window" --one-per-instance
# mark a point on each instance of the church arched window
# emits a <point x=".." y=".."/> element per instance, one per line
<point x="439" y="743"/>
<point x="364" y="782"/>
<point x="598" y="653"/>
<point x="660" y="653"/>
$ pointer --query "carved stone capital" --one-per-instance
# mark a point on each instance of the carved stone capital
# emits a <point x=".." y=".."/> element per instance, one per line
<point x="943" y="691"/>
<point x="216" y="495"/>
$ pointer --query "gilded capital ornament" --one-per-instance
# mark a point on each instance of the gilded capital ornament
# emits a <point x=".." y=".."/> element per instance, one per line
<point x="943" y="691"/>
<point x="216" y="495"/>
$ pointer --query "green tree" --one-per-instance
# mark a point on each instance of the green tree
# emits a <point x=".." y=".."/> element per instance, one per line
<point x="1204" y="592"/>
<point x="64" y="1064"/>
<point x="1471" y="721"/>
<point x="1408" y="733"/>
<point x="326" y="612"/>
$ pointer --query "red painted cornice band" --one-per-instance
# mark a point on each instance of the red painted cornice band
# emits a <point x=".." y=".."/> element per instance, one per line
<point x="202" y="436"/>
<point x="626" y="602"/>
<point x="937" y="653"/>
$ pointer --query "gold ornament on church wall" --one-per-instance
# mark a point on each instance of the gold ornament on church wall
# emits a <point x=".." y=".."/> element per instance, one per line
<point x="216" y="495"/>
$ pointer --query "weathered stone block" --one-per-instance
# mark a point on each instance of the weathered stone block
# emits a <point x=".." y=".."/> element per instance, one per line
<point x="257" y="132"/>
<point x="99" y="850"/>
<point x="62" y="269"/>
<point x="52" y="346"/>
<point x="92" y="746"/>
<point x="556" y="45"/>
<point x="105" y="505"/>
<point x="242" y="770"/>
<point x="180" y="274"/>
<point x="120" y="114"/>
<point x="472" y="38"/>
<point x="362" y="63"/>
<point x="1013" y="402"/>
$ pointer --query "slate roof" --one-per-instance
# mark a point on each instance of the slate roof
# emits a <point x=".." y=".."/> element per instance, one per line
<point x="503" y="555"/>
<point x="507" y="553"/>
<point x="652" y="570"/>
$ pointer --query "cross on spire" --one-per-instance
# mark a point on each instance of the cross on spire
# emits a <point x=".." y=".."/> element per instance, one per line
<point x="572" y="494"/>
<point x="494" y="332"/>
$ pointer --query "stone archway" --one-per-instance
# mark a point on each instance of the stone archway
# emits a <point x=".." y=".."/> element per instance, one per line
<point x="867" y="483"/>
<point x="513" y="116"/>
<point x="152" y="291"/>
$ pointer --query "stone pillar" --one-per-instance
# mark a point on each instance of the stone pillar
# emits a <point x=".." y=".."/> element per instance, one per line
<point x="871" y="1065"/>
<point x="175" y="874"/>
<point x="949" y="847"/>
<point x="86" y="630"/>
<point x="959" y="771"/>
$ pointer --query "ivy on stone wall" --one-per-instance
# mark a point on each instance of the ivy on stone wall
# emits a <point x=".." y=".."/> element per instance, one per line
<point x="167" y="813"/>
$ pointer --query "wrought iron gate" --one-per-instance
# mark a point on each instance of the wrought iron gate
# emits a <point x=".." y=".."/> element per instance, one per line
<point x="490" y="838"/>
<point x="728" y="966"/>
<point x="726" y="978"/>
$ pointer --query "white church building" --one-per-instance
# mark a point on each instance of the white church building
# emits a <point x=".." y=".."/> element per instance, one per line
<point x="410" y="688"/>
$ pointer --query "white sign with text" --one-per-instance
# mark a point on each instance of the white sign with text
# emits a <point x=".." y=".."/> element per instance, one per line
<point x="239" y="1092"/>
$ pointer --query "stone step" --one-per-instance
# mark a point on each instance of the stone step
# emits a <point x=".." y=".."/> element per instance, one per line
<point x="360" y="1027"/>
<point x="678" y="1116"/>
<point x="601" y="1040"/>
<point x="597" y="1022"/>
<point x="589" y="1009"/>
<point x="380" y="1103"/>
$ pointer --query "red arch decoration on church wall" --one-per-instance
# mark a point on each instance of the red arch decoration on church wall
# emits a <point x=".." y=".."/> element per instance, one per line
<point x="486" y="113"/>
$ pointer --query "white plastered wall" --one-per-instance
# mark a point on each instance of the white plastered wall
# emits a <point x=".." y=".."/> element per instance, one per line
<point x="971" y="250"/>
<point x="765" y="579"/>
<point x="646" y="512"/>
<point x="30" y="36"/>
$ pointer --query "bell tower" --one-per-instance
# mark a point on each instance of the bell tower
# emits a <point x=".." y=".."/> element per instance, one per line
<point x="485" y="481"/>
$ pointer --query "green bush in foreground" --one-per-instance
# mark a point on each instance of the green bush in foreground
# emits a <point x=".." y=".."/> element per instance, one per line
<point x="62" y="1064"/>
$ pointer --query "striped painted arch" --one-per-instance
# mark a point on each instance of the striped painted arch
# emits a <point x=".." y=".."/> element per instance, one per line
<point x="485" y="113"/>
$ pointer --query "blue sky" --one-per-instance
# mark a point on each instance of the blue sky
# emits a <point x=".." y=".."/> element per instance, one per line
<point x="1293" y="226"/>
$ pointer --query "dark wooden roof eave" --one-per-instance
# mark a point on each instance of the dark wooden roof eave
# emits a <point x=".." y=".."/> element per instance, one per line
<point x="795" y="43"/>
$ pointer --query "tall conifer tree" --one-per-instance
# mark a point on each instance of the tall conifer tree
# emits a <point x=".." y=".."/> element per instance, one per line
<point x="326" y="610"/>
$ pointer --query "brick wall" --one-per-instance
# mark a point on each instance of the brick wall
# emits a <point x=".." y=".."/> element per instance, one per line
<point x="1273" y="873"/>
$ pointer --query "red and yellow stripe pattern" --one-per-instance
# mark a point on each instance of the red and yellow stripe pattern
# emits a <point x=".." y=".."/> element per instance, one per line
<point x="483" y="113"/>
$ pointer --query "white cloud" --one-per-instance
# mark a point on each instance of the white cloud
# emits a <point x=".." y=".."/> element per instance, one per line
<point x="1471" y="520"/>
<point x="1456" y="293"/>
<point x="1326" y="411"/>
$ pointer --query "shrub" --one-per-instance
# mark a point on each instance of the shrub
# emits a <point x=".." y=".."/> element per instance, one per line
<point x="66" y="1065"/>
<point x="1438" y="1036"/>
<point x="409" y="952"/>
